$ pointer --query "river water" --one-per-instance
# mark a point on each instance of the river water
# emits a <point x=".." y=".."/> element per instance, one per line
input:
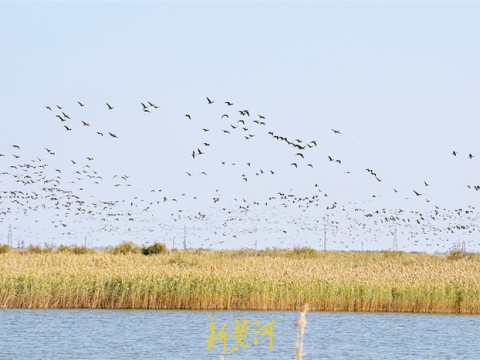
<point x="182" y="335"/>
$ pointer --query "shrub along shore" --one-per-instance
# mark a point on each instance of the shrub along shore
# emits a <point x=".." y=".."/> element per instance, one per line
<point x="241" y="280"/>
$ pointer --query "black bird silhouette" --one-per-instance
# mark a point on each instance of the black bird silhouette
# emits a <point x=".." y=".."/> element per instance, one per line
<point x="330" y="158"/>
<point x="299" y="154"/>
<point x="67" y="128"/>
<point x="210" y="101"/>
<point x="99" y="133"/>
<point x="228" y="103"/>
<point x="470" y="156"/>
<point x="336" y="131"/>
<point x="426" y="184"/>
<point x="16" y="146"/>
<point x="85" y="123"/>
<point x="188" y="116"/>
<point x="294" y="164"/>
<point x="113" y="135"/>
<point x="454" y="153"/>
<point x="109" y="106"/>
<point x="417" y="193"/>
<point x="79" y="103"/>
<point x="49" y="108"/>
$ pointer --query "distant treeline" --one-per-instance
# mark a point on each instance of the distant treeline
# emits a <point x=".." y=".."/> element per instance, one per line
<point x="126" y="247"/>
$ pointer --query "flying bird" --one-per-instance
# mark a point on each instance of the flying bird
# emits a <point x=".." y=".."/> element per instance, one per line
<point x="110" y="107"/>
<point x="210" y="101"/>
<point x="113" y="135"/>
<point x="336" y="131"/>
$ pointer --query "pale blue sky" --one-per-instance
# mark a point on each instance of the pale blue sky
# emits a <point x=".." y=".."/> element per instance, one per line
<point x="399" y="79"/>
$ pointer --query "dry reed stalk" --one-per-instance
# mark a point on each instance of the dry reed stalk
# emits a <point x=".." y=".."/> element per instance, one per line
<point x="300" y="325"/>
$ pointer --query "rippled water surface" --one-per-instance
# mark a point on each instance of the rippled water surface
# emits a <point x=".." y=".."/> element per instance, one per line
<point x="104" y="334"/>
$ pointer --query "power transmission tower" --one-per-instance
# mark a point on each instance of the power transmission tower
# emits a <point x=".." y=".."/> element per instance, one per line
<point x="395" y="241"/>
<point x="10" y="236"/>
<point x="325" y="235"/>
<point x="185" y="237"/>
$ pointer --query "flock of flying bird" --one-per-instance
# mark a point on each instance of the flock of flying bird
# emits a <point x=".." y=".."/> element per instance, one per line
<point x="59" y="202"/>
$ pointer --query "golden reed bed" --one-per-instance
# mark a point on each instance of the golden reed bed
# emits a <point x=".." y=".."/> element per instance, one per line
<point x="242" y="280"/>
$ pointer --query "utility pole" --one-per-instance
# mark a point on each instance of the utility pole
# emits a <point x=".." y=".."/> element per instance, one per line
<point x="10" y="236"/>
<point x="173" y="243"/>
<point x="85" y="242"/>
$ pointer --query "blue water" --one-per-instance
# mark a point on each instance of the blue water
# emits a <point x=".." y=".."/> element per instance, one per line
<point x="179" y="335"/>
